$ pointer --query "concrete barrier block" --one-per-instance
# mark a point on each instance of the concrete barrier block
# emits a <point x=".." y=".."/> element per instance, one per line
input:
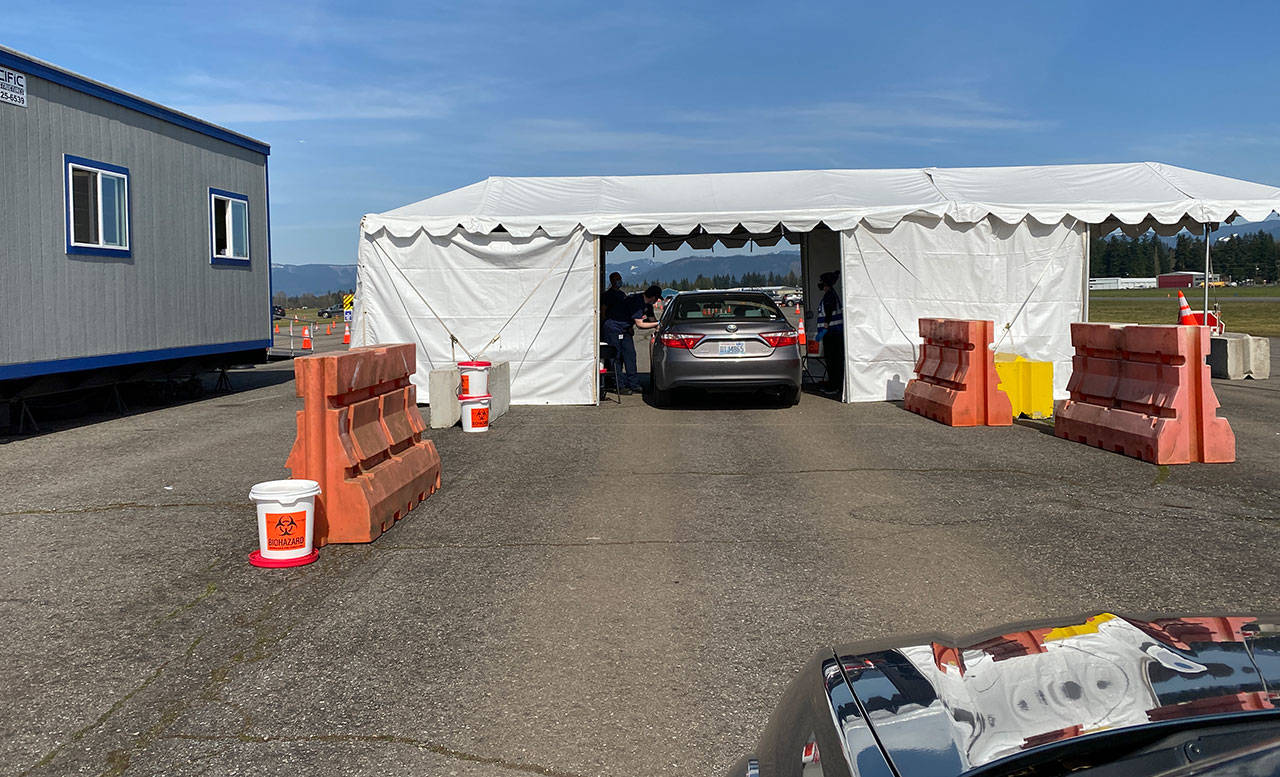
<point x="442" y="393"/>
<point x="499" y="388"/>
<point x="1236" y="356"/>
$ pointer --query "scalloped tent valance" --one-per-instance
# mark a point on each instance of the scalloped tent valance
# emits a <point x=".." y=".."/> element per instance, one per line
<point x="1134" y="196"/>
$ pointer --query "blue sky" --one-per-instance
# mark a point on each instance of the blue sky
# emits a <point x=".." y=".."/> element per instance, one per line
<point x="370" y="106"/>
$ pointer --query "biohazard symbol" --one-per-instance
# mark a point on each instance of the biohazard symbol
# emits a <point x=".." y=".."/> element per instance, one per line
<point x="286" y="531"/>
<point x="285" y="525"/>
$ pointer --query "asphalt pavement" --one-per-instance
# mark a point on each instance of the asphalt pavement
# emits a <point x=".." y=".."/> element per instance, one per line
<point x="610" y="590"/>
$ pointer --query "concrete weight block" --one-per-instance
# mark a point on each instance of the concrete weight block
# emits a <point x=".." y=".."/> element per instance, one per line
<point x="1236" y="356"/>
<point x="499" y="388"/>
<point x="442" y="391"/>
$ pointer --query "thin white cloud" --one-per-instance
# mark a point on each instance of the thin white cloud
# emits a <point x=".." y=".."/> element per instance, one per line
<point x="910" y="111"/>
<point x="307" y="102"/>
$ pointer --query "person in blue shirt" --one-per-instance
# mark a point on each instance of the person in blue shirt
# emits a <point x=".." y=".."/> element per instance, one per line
<point x="619" y="329"/>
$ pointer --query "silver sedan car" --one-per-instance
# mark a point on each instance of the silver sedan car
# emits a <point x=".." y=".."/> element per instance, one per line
<point x="724" y="340"/>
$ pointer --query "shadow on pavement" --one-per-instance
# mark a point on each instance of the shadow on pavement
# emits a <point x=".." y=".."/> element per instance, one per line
<point x="70" y="409"/>
<point x="693" y="399"/>
<point x="1041" y="425"/>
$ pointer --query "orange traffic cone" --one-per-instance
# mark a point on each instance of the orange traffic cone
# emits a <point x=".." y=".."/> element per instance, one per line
<point x="802" y="340"/>
<point x="1185" y="316"/>
<point x="306" y="338"/>
<point x="277" y="327"/>
<point x="797" y="308"/>
<point x="328" y="330"/>
<point x="346" y="336"/>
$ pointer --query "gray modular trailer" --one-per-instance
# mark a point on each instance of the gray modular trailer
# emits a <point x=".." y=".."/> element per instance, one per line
<point x="130" y="233"/>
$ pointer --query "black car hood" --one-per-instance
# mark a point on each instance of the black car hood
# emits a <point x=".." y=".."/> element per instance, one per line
<point x="942" y="708"/>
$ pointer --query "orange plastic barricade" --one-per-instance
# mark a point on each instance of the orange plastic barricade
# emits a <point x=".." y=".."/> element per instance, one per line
<point x="1144" y="391"/>
<point x="956" y="381"/>
<point x="360" y="438"/>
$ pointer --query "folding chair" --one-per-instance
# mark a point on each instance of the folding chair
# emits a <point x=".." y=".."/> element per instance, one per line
<point x="609" y="358"/>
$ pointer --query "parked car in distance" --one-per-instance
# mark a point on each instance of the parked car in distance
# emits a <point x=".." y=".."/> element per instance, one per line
<point x="1105" y="695"/>
<point x="724" y="340"/>
<point x="277" y="311"/>
<point x="331" y="311"/>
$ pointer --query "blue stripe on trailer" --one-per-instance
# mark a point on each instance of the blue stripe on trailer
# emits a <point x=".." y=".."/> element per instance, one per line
<point x="54" y="366"/>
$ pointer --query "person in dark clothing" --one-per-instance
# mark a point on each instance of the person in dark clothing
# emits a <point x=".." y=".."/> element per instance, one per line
<point x="619" y="330"/>
<point x="831" y="332"/>
<point x="613" y="299"/>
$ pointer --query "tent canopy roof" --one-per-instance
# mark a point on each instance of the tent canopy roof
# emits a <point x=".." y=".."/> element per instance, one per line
<point x="1135" y="196"/>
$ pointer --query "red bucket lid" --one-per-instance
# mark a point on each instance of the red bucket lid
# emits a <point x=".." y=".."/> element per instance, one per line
<point x="474" y="364"/>
<point x="473" y="397"/>
<point x="258" y="560"/>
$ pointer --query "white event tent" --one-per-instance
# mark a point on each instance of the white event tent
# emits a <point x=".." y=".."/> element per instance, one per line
<point x="512" y="268"/>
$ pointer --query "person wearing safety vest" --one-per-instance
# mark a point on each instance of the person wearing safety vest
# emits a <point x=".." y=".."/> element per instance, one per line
<point x="831" y="332"/>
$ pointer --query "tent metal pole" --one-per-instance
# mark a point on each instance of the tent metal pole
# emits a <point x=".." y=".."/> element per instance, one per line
<point x="599" y="254"/>
<point x="1088" y="250"/>
<point x="1206" y="273"/>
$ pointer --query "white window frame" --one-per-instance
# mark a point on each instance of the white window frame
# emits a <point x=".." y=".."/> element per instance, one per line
<point x="229" y="225"/>
<point x="71" y="163"/>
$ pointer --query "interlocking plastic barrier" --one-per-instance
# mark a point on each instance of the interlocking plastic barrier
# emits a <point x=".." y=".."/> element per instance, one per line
<point x="1145" y="391"/>
<point x="360" y="438"/>
<point x="1028" y="384"/>
<point x="956" y="381"/>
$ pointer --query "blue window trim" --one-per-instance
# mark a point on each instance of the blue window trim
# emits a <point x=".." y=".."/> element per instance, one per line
<point x="233" y="261"/>
<point x="120" y="253"/>
<point x="33" y="369"/>
<point x="70" y="80"/>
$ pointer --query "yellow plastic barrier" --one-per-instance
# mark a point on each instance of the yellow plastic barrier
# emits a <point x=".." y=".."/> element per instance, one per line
<point x="1029" y="385"/>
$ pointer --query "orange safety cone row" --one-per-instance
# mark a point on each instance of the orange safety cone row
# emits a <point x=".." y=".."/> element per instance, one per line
<point x="1185" y="316"/>
<point x="306" y="338"/>
<point x="346" y="335"/>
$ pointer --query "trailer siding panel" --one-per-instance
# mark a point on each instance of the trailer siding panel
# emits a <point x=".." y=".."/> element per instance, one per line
<point x="166" y="294"/>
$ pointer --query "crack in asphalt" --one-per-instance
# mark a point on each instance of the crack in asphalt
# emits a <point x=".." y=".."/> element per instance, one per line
<point x="255" y="647"/>
<point x="99" y="721"/>
<point x="119" y="506"/>
<point x="460" y="755"/>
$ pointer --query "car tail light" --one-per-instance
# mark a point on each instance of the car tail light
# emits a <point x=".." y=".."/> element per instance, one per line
<point x="779" y="339"/>
<point x="679" y="340"/>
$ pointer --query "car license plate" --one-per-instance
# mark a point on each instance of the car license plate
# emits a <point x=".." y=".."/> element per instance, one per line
<point x="733" y="349"/>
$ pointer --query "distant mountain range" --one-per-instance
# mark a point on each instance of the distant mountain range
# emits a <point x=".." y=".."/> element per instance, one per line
<point x="296" y="279"/>
<point x="1271" y="227"/>
<point x="1228" y="231"/>
<point x="636" y="271"/>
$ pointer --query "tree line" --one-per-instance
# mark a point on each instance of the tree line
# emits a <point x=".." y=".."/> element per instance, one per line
<point x="727" y="281"/>
<point x="1254" y="257"/>
<point x="317" y="301"/>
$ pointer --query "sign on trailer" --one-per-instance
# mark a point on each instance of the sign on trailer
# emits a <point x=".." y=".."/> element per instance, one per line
<point x="13" y="87"/>
<point x="348" y="300"/>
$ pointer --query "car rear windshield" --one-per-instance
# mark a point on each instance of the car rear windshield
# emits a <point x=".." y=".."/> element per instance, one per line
<point x="725" y="309"/>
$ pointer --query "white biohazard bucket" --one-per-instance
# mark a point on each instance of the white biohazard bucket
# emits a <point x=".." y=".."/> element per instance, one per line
<point x="473" y="378"/>
<point x="286" y="521"/>
<point x="475" y="413"/>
